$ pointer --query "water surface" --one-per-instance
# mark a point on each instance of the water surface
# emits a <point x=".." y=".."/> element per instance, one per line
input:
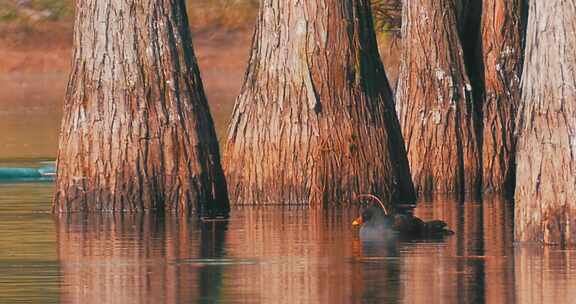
<point x="268" y="255"/>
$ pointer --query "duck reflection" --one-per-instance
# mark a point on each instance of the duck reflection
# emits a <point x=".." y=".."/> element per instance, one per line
<point x="138" y="258"/>
<point x="378" y="264"/>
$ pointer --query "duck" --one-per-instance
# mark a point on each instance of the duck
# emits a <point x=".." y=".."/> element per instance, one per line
<point x="375" y="221"/>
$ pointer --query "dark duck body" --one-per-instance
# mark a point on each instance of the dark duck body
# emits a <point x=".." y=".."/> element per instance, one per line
<point x="375" y="223"/>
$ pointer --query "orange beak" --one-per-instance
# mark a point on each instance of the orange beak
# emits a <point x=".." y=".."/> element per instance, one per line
<point x="357" y="222"/>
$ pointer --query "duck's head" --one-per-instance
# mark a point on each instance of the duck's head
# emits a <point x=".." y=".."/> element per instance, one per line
<point x="375" y="212"/>
<point x="374" y="224"/>
<point x="371" y="215"/>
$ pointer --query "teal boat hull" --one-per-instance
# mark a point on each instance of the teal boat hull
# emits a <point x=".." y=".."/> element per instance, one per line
<point x="46" y="173"/>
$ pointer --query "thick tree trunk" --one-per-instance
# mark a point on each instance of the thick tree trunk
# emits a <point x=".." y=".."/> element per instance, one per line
<point x="500" y="68"/>
<point x="434" y="100"/>
<point x="137" y="133"/>
<point x="315" y="121"/>
<point x="546" y="173"/>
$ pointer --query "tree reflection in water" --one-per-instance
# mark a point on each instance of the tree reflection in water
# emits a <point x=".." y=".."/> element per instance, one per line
<point x="544" y="275"/>
<point x="306" y="255"/>
<point x="139" y="258"/>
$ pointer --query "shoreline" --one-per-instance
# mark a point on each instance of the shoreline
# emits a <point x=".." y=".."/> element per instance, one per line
<point x="47" y="47"/>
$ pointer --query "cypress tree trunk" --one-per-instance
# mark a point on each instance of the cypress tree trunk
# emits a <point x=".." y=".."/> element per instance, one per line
<point x="434" y="100"/>
<point x="545" y="208"/>
<point x="315" y="120"/>
<point x="501" y="48"/>
<point x="137" y="133"/>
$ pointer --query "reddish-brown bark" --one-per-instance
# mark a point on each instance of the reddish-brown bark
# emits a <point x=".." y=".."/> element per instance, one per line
<point x="434" y="100"/>
<point x="315" y="121"/>
<point x="453" y="44"/>
<point x="545" y="208"/>
<point x="500" y="69"/>
<point x="137" y="132"/>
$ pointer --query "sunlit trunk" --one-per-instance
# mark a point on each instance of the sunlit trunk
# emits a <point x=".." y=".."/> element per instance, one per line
<point x="315" y="120"/>
<point x="434" y="100"/>
<point x="137" y="132"/>
<point x="546" y="173"/>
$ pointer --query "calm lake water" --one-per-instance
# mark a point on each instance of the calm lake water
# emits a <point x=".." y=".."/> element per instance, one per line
<point x="268" y="255"/>
<point x="262" y="255"/>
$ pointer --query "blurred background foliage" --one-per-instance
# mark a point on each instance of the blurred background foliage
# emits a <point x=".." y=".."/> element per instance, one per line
<point x="218" y="13"/>
<point x="35" y="10"/>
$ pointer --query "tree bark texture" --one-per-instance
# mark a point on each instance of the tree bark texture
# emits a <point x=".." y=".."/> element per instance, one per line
<point x="137" y="132"/>
<point x="315" y="120"/>
<point x="434" y="100"/>
<point x="500" y="67"/>
<point x="545" y="208"/>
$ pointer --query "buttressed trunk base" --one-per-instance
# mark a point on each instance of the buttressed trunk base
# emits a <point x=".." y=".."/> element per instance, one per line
<point x="545" y="209"/>
<point x="315" y="120"/>
<point x="137" y="132"/>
